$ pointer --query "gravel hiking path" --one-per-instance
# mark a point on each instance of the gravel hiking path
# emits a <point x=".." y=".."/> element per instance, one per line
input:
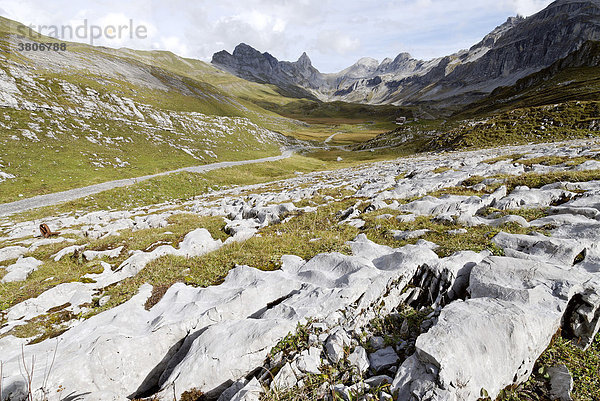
<point x="65" y="196"/>
<point x="331" y="137"/>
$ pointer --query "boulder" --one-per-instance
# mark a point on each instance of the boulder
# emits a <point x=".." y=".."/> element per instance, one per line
<point x="377" y="342"/>
<point x="284" y="379"/>
<point x="528" y="198"/>
<point x="12" y="252"/>
<point x="335" y="344"/>
<point x="539" y="246"/>
<point x="309" y="361"/>
<point x="21" y="269"/>
<point x="359" y="359"/>
<point x="109" y="253"/>
<point x="561" y="383"/>
<point x="68" y="251"/>
<point x="376" y="381"/>
<point x="383" y="359"/>
<point x="232" y="390"/>
<point x="250" y="392"/>
<point x="406" y="235"/>
<point x="492" y="340"/>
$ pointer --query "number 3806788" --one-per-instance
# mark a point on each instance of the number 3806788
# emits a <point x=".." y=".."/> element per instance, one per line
<point x="42" y="47"/>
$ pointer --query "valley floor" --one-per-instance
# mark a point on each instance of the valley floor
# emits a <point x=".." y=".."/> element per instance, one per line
<point x="450" y="276"/>
<point x="65" y="196"/>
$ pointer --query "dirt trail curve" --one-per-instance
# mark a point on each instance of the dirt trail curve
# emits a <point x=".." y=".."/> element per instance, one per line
<point x="65" y="196"/>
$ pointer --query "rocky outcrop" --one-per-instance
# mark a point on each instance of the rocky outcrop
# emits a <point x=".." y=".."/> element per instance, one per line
<point x="515" y="308"/>
<point x="19" y="270"/>
<point x="484" y="319"/>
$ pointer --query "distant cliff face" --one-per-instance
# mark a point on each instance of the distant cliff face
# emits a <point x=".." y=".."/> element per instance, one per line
<point x="530" y="45"/>
<point x="512" y="51"/>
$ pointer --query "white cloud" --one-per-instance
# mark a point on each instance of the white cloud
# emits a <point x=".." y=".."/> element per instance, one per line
<point x="529" y="7"/>
<point x="335" y="42"/>
<point x="174" y="44"/>
<point x="261" y="21"/>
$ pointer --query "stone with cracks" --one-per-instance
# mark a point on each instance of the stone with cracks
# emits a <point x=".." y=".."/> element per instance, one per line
<point x="405" y="235"/>
<point x="12" y="252"/>
<point x="561" y="383"/>
<point x="377" y="342"/>
<point x="68" y="251"/>
<point x="540" y="247"/>
<point x="335" y="344"/>
<point x="285" y="378"/>
<point x="226" y="330"/>
<point x="109" y="253"/>
<point x="529" y="198"/>
<point x="232" y="390"/>
<point x="376" y="381"/>
<point x="453" y="205"/>
<point x="383" y="359"/>
<point x="359" y="359"/>
<point x="309" y="361"/>
<point x="493" y="339"/>
<point x="342" y="391"/>
<point x="250" y="392"/>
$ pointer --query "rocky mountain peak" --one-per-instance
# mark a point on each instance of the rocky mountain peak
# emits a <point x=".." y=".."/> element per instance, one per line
<point x="304" y="61"/>
<point x="363" y="68"/>
<point x="560" y="3"/>
<point x="243" y="49"/>
<point x="491" y="38"/>
<point x="402" y="57"/>
<point x="248" y="63"/>
<point x="368" y="62"/>
<point x="572" y="7"/>
<point x="401" y="64"/>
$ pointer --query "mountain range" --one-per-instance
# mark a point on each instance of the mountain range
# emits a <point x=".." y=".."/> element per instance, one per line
<point x="513" y="50"/>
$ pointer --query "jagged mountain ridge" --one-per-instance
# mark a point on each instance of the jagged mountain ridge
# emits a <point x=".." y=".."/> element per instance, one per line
<point x="513" y="50"/>
<point x="298" y="78"/>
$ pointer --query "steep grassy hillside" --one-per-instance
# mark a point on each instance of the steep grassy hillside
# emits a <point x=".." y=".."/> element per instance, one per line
<point x="576" y="77"/>
<point x="563" y="121"/>
<point x="550" y="123"/>
<point x="86" y="115"/>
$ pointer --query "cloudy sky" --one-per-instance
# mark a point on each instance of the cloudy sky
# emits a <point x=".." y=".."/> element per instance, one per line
<point x="334" y="33"/>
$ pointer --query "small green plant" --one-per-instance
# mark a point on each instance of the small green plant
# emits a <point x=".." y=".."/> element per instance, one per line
<point x="293" y="342"/>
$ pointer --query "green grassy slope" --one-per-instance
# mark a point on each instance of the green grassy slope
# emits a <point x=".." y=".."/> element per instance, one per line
<point x="92" y="114"/>
<point x="88" y="115"/>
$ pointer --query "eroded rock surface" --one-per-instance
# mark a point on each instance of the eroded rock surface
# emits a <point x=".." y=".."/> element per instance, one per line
<point x="491" y="316"/>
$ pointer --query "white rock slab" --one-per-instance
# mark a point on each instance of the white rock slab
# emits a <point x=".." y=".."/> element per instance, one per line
<point x="21" y="269"/>
<point x="12" y="252"/>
